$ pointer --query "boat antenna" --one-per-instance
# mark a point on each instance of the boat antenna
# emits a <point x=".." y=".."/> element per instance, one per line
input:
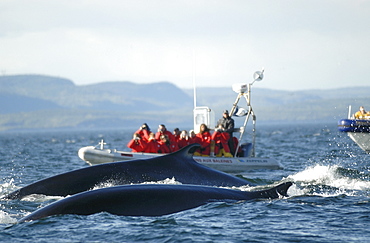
<point x="258" y="76"/>
<point x="194" y="85"/>
<point x="349" y="111"/>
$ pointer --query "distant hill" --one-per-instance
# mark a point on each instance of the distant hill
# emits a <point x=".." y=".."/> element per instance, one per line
<point x="14" y="103"/>
<point x="44" y="102"/>
<point x="280" y="106"/>
<point x="127" y="96"/>
<point x="37" y="101"/>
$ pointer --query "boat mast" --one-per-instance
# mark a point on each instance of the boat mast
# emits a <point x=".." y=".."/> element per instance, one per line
<point x="258" y="76"/>
<point x="194" y="85"/>
<point x="349" y="111"/>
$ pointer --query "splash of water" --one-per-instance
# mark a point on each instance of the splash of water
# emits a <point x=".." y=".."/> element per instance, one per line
<point x="6" y="187"/>
<point x="110" y="183"/>
<point x="5" y="218"/>
<point x="169" y="181"/>
<point x="329" y="176"/>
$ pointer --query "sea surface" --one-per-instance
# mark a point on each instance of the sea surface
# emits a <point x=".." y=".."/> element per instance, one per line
<point x="329" y="201"/>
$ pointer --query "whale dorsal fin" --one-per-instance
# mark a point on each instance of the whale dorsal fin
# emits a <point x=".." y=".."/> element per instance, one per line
<point x="187" y="151"/>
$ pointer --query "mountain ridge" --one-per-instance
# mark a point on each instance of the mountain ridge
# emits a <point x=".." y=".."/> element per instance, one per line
<point x="54" y="102"/>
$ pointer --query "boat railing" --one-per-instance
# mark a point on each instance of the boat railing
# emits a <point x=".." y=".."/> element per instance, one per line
<point x="101" y="144"/>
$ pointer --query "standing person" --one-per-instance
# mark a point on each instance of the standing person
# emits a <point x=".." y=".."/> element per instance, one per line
<point x="205" y="137"/>
<point x="226" y="124"/>
<point x="136" y="144"/>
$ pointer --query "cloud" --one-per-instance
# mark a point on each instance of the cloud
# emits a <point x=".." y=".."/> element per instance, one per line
<point x="301" y="44"/>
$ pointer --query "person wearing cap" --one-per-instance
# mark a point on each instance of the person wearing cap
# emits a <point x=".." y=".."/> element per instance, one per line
<point x="226" y="124"/>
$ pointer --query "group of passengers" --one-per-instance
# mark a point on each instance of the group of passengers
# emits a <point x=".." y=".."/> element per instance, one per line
<point x="220" y="143"/>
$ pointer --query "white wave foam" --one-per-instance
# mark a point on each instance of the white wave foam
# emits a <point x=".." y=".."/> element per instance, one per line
<point x="327" y="175"/>
<point x="110" y="183"/>
<point x="39" y="198"/>
<point x="105" y="184"/>
<point x="168" y="181"/>
<point x="296" y="191"/>
<point x="7" y="187"/>
<point x="242" y="188"/>
<point x="5" y="218"/>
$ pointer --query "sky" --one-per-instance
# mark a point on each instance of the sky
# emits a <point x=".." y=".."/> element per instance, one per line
<point x="301" y="44"/>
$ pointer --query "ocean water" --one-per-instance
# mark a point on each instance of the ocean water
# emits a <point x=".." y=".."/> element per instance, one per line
<point x="329" y="201"/>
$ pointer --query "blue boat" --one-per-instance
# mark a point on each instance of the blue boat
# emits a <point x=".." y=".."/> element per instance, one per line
<point x="357" y="129"/>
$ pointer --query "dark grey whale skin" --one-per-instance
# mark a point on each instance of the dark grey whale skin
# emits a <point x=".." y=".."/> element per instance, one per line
<point x="179" y="165"/>
<point x="149" y="200"/>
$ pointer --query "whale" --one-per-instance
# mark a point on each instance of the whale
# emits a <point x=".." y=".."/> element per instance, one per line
<point x="179" y="165"/>
<point x="149" y="200"/>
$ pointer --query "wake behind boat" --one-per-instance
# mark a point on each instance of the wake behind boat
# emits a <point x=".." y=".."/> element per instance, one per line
<point x="357" y="128"/>
<point x="243" y="160"/>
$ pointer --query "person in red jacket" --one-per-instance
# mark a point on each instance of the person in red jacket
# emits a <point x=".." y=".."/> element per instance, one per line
<point x="152" y="145"/>
<point x="205" y="139"/>
<point x="136" y="144"/>
<point x="194" y="139"/>
<point x="167" y="146"/>
<point x="162" y="130"/>
<point x="184" y="139"/>
<point x="221" y="139"/>
<point x="144" y="132"/>
<point x="227" y="124"/>
<point x="176" y="134"/>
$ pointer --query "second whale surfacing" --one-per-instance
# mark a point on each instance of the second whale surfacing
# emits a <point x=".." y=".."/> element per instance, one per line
<point x="149" y="200"/>
<point x="179" y="165"/>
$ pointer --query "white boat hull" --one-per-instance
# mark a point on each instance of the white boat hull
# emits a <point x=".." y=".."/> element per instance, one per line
<point x="94" y="156"/>
<point x="362" y="139"/>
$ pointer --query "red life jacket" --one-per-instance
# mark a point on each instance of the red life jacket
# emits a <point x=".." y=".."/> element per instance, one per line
<point x="136" y="145"/>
